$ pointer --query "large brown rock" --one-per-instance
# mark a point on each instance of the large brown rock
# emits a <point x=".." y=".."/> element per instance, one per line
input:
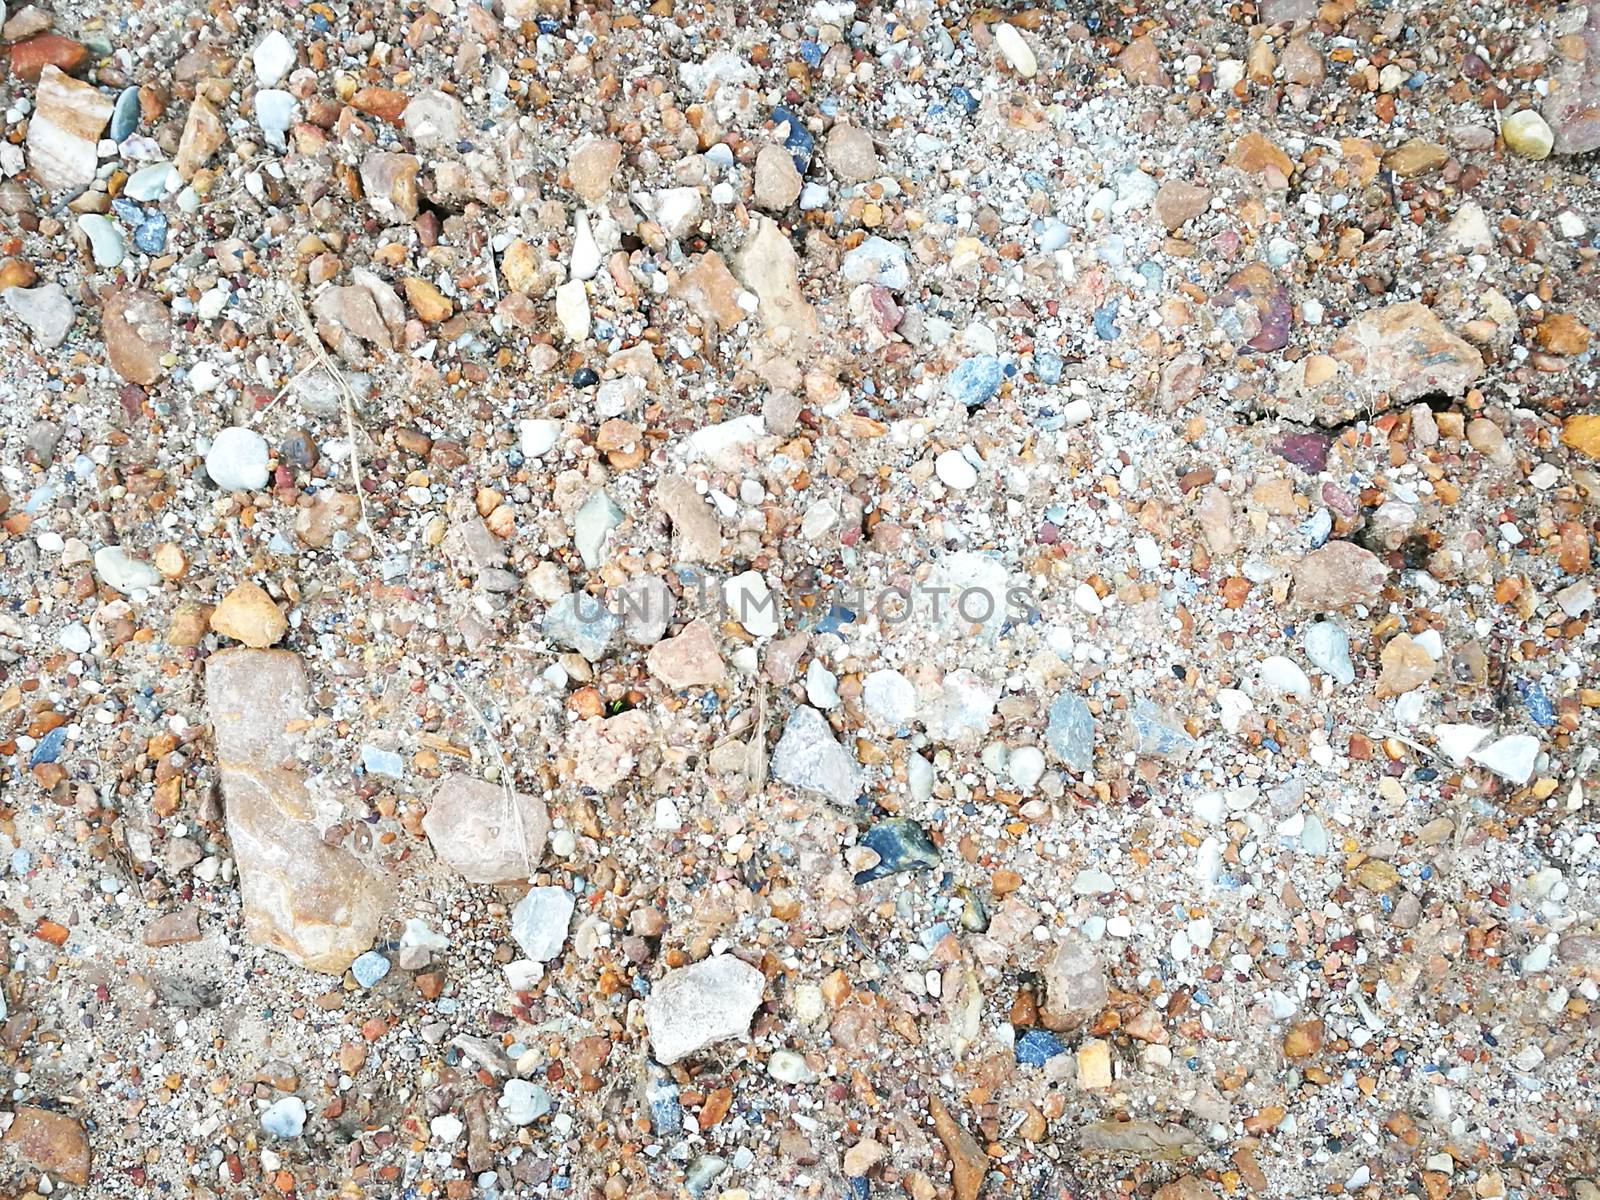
<point x="1390" y="356"/>
<point x="137" y="329"/>
<point x="1338" y="575"/>
<point x="30" y="58"/>
<point x="1075" y="985"/>
<point x="51" y="1142"/>
<point x="203" y="135"/>
<point x="317" y="904"/>
<point x="484" y="832"/>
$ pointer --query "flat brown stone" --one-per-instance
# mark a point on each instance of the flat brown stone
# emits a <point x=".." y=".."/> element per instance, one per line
<point x="1256" y="154"/>
<point x="51" y="1142"/>
<point x="174" y="928"/>
<point x="138" y="333"/>
<point x="1337" y="576"/>
<point x="30" y="58"/>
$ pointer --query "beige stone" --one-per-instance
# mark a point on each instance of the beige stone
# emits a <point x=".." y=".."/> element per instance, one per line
<point x="769" y="267"/>
<point x="850" y="154"/>
<point x="591" y="167"/>
<point x="698" y="528"/>
<point x="1406" y="666"/>
<point x="247" y="614"/>
<point x="1094" y="1065"/>
<point x="688" y="660"/>
<point x="1338" y="575"/>
<point x="1177" y="202"/>
<point x="484" y="832"/>
<point x="315" y="903"/>
<point x="778" y="182"/>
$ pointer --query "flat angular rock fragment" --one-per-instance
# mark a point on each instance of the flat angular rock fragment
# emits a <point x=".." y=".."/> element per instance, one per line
<point x="64" y="132"/>
<point x="696" y="1006"/>
<point x="808" y="757"/>
<point x="484" y="832"/>
<point x="317" y="904"/>
<point x="1338" y="576"/>
<point x="52" y="1142"/>
<point x="1386" y="357"/>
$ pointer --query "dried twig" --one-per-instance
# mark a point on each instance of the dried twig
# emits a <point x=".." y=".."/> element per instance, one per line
<point x="308" y="335"/>
<point x="508" y="792"/>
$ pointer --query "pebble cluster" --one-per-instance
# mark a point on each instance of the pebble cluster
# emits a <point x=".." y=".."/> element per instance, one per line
<point x="641" y="599"/>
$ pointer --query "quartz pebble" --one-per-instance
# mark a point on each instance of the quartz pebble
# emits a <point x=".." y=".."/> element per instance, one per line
<point x="1016" y="50"/>
<point x="696" y="1006"/>
<point x="808" y="757"/>
<point x="539" y="922"/>
<point x="47" y="311"/>
<point x="237" y="460"/>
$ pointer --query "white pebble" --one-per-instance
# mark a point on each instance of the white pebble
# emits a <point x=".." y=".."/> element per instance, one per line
<point x="955" y="471"/>
<point x="237" y="460"/>
<point x="1016" y="51"/>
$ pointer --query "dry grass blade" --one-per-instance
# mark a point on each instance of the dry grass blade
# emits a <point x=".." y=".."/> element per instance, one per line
<point x="507" y="790"/>
<point x="308" y="335"/>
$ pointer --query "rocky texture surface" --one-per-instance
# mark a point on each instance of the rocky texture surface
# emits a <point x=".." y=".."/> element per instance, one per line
<point x="699" y="1005"/>
<point x="891" y="601"/>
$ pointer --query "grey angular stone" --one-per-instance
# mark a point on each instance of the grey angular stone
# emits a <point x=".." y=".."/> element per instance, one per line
<point x="695" y="1006"/>
<point x="808" y="757"/>
<point x="1156" y="731"/>
<point x="581" y="622"/>
<point x="46" y="310"/>
<point x="1070" y="731"/>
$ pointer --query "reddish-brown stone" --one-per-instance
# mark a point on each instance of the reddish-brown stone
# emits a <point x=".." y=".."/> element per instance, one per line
<point x="30" y="58"/>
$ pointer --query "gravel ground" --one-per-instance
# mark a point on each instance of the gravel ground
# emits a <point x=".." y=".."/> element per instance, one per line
<point x="772" y="601"/>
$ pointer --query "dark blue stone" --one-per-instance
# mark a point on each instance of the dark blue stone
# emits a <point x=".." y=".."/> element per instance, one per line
<point x="835" y="618"/>
<point x="1038" y="1046"/>
<point x="975" y="380"/>
<point x="49" y="747"/>
<point x="799" y="142"/>
<point x="901" y="845"/>
<point x="1105" y="322"/>
<point x="151" y="237"/>
<point x="965" y="100"/>
<point x="1540" y="710"/>
<point x="666" y="1114"/>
